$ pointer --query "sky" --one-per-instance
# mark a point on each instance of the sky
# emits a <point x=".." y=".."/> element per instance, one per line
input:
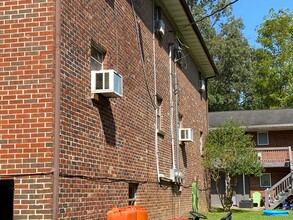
<point x="252" y="13"/>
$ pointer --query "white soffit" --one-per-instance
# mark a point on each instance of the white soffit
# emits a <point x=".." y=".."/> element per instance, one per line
<point x="178" y="16"/>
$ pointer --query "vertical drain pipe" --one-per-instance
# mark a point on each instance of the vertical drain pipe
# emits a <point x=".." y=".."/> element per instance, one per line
<point x="176" y="124"/>
<point x="176" y="114"/>
<point x="155" y="96"/>
<point x="171" y="106"/>
<point x="56" y="110"/>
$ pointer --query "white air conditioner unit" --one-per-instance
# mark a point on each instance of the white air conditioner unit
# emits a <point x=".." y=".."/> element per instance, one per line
<point x="107" y="83"/>
<point x="160" y="27"/>
<point x="201" y="85"/>
<point x="185" y="134"/>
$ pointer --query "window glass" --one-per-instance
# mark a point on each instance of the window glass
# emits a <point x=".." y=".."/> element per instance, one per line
<point x="262" y="138"/>
<point x="158" y="13"/>
<point x="265" y="180"/>
<point x="180" y="118"/>
<point x="201" y="143"/>
<point x="97" y="58"/>
<point x="132" y="188"/>
<point x="159" y="114"/>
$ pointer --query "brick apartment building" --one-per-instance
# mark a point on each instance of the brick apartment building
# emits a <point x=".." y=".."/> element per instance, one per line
<point x="67" y="152"/>
<point x="272" y="131"/>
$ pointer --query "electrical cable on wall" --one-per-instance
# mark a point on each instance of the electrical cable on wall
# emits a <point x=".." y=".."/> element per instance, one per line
<point x="95" y="179"/>
<point x="141" y="55"/>
<point x="102" y="179"/>
<point x="183" y="56"/>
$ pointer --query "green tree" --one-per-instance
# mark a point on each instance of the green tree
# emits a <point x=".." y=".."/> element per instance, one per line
<point x="230" y="151"/>
<point x="274" y="61"/>
<point x="230" y="89"/>
<point x="232" y="55"/>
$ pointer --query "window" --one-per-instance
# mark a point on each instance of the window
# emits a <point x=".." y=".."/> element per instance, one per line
<point x="97" y="59"/>
<point x="180" y="120"/>
<point x="265" y="180"/>
<point x="201" y="143"/>
<point x="262" y="138"/>
<point x="132" y="188"/>
<point x="159" y="113"/>
<point x="158" y="13"/>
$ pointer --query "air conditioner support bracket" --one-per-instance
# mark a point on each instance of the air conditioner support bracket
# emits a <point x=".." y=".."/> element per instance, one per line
<point x="95" y="96"/>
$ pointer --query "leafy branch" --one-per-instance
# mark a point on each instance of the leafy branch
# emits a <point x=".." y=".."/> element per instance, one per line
<point x="213" y="13"/>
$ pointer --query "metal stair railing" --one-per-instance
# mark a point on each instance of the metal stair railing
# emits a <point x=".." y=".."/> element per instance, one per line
<point x="280" y="190"/>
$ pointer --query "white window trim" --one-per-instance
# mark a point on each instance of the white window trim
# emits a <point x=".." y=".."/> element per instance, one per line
<point x="260" y="184"/>
<point x="159" y="114"/>
<point x="258" y="143"/>
<point x="201" y="143"/>
<point x="101" y="53"/>
<point x="132" y="199"/>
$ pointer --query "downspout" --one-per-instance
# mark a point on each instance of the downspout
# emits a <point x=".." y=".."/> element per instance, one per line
<point x="176" y="114"/>
<point x="155" y="95"/>
<point x="176" y="124"/>
<point x="171" y="107"/>
<point x="56" y="110"/>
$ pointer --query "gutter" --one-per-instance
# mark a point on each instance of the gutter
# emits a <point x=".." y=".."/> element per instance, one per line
<point x="56" y="110"/>
<point x="198" y="34"/>
<point x="269" y="127"/>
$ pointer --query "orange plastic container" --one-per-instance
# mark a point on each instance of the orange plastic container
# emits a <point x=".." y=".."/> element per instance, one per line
<point x="141" y="214"/>
<point x="122" y="214"/>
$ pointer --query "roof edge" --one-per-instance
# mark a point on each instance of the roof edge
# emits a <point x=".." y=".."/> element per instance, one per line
<point x="271" y="127"/>
<point x="198" y="34"/>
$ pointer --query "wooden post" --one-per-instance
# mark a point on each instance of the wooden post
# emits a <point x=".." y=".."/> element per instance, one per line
<point x="267" y="199"/>
<point x="290" y="158"/>
<point x="291" y="166"/>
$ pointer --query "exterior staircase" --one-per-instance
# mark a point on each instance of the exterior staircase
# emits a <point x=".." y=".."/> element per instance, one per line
<point x="277" y="194"/>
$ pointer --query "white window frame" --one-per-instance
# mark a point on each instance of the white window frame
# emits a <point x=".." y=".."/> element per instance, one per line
<point x="270" y="180"/>
<point x="159" y="114"/>
<point x="158" y="13"/>
<point x="201" y="143"/>
<point x="99" y="60"/>
<point x="132" y="189"/>
<point x="180" y="120"/>
<point x="258" y="140"/>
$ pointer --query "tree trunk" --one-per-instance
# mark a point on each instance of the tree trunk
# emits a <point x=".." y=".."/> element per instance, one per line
<point x="231" y="183"/>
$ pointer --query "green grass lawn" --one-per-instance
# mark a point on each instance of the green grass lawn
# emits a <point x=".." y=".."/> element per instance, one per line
<point x="247" y="215"/>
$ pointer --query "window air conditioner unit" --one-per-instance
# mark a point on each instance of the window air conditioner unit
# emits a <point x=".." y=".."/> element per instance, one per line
<point x="201" y="85"/>
<point x="160" y="27"/>
<point x="107" y="83"/>
<point x="185" y="134"/>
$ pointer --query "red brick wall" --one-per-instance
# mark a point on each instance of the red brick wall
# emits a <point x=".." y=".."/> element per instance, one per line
<point x="278" y="138"/>
<point x="104" y="144"/>
<point x="26" y="100"/>
<point x="108" y="143"/>
<point x="277" y="174"/>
